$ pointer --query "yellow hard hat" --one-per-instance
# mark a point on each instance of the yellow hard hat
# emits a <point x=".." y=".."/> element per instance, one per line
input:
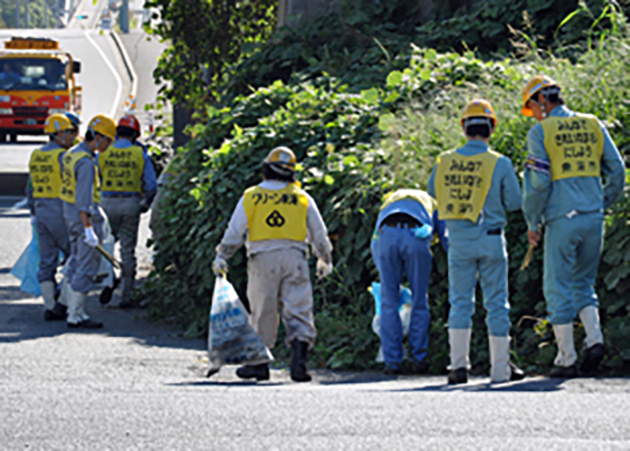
<point x="282" y="160"/>
<point x="56" y="123"/>
<point x="479" y="108"/>
<point x="531" y="88"/>
<point x="104" y="125"/>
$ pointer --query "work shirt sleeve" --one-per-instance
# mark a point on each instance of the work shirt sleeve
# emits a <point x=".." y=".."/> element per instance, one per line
<point x="84" y="174"/>
<point x="234" y="236"/>
<point x="510" y="187"/>
<point x="149" y="179"/>
<point x="536" y="178"/>
<point x="317" y="234"/>
<point x="613" y="167"/>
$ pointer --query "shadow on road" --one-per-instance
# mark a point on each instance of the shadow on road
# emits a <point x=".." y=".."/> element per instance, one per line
<point x="22" y="319"/>
<point x="210" y="383"/>
<point x="535" y="384"/>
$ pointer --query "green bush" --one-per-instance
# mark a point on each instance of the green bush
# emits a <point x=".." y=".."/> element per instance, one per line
<point x="354" y="147"/>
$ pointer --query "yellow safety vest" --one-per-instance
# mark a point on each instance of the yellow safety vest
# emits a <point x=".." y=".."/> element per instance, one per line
<point x="45" y="173"/>
<point x="414" y="194"/>
<point x="574" y="146"/>
<point x="462" y="183"/>
<point x="69" y="181"/>
<point x="276" y="214"/>
<point x="122" y="169"/>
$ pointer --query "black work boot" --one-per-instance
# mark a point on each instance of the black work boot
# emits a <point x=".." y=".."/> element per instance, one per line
<point x="563" y="372"/>
<point x="592" y="358"/>
<point x="259" y="372"/>
<point x="86" y="324"/>
<point x="458" y="376"/>
<point x="57" y="313"/>
<point x="299" y="372"/>
<point x="516" y="374"/>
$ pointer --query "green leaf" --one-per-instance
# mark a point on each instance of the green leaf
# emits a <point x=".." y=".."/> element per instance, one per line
<point x="425" y="74"/>
<point x="328" y="179"/>
<point x="394" y="79"/>
<point x="370" y="96"/>
<point x="386" y="121"/>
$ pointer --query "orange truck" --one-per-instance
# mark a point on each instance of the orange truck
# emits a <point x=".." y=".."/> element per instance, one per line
<point x="37" y="79"/>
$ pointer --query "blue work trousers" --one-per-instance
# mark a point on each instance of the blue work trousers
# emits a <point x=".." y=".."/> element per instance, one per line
<point x="485" y="260"/>
<point x="398" y="251"/>
<point x="572" y="251"/>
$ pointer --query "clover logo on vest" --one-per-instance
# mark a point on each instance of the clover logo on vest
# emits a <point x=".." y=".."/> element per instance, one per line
<point x="275" y="219"/>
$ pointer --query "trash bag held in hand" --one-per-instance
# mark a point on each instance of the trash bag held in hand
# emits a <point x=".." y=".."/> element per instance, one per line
<point x="27" y="265"/>
<point x="231" y="339"/>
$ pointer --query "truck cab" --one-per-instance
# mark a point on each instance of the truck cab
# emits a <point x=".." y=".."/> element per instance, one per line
<point x="36" y="79"/>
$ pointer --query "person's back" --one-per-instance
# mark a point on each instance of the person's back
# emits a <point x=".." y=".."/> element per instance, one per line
<point x="563" y="192"/>
<point x="474" y="186"/>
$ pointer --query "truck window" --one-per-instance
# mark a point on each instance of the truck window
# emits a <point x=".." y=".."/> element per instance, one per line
<point x="32" y="74"/>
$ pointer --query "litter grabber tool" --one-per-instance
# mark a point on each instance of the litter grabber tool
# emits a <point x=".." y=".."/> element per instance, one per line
<point x="110" y="258"/>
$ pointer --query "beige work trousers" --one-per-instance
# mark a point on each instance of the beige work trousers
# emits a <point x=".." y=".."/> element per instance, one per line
<point x="281" y="276"/>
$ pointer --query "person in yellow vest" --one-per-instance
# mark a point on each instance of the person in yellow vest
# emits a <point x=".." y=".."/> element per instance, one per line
<point x="401" y="243"/>
<point x="81" y="196"/>
<point x="44" y="189"/>
<point x="563" y="190"/>
<point x="474" y="187"/>
<point x="278" y="220"/>
<point x="129" y="185"/>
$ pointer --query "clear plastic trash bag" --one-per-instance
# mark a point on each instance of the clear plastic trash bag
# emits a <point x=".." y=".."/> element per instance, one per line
<point x="231" y="339"/>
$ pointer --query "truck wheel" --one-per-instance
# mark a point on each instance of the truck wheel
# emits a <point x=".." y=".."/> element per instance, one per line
<point x="3" y="137"/>
<point x="13" y="137"/>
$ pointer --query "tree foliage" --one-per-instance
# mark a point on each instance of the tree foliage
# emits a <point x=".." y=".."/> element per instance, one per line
<point x="358" y="138"/>
<point x="206" y="36"/>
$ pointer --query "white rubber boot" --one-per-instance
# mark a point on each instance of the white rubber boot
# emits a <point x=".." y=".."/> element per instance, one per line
<point x="590" y="320"/>
<point x="76" y="302"/>
<point x="566" y="348"/>
<point x="499" y="359"/>
<point x="65" y="293"/>
<point x="459" y="341"/>
<point x="48" y="294"/>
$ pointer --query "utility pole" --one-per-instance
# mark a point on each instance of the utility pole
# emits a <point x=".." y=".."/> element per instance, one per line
<point x="124" y="16"/>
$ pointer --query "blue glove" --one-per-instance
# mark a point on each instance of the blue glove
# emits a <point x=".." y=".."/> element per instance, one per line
<point x="422" y="232"/>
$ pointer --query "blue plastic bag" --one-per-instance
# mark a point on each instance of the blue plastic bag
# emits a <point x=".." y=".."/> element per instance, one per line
<point x="27" y="265"/>
<point x="404" y="298"/>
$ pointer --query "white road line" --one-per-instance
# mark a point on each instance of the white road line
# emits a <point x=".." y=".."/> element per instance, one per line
<point x="111" y="67"/>
<point x="20" y="205"/>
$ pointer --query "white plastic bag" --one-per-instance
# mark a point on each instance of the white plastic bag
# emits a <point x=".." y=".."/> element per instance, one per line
<point x="105" y="275"/>
<point x="231" y="339"/>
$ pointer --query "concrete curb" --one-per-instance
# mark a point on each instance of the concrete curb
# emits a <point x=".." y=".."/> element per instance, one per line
<point x="128" y="64"/>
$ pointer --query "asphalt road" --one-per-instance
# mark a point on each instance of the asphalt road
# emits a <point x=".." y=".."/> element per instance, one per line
<point x="138" y="385"/>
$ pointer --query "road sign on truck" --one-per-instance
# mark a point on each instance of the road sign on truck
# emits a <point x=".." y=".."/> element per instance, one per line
<point x="37" y="79"/>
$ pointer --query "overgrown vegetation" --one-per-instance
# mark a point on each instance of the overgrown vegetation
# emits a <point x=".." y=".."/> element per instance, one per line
<point x="357" y="144"/>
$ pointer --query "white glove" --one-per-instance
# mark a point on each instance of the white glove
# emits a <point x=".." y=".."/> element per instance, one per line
<point x="90" y="237"/>
<point x="323" y="268"/>
<point x="219" y="266"/>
